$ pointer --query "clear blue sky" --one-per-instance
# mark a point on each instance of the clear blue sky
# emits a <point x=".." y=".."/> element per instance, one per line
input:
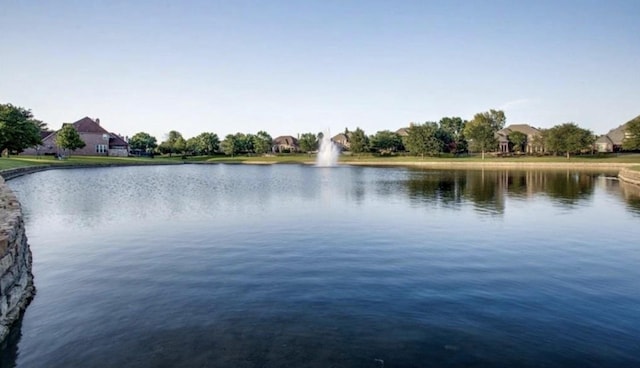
<point x="291" y="67"/>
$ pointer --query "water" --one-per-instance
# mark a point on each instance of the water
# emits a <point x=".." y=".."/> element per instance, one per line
<point x="296" y="266"/>
<point x="328" y="153"/>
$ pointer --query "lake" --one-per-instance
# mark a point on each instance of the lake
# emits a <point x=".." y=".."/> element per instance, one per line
<point x="298" y="266"/>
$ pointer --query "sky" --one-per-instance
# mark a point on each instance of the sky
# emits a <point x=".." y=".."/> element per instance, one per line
<point x="291" y="67"/>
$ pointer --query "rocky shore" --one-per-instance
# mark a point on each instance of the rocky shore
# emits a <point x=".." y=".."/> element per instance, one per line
<point x="16" y="279"/>
<point x="629" y="176"/>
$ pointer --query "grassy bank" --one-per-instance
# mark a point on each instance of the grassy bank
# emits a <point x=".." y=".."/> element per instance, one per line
<point x="28" y="161"/>
<point x="468" y="161"/>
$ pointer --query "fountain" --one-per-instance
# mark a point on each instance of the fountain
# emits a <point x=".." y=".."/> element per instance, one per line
<point x="328" y="153"/>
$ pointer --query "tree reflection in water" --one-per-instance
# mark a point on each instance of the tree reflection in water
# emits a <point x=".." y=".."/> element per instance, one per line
<point x="487" y="190"/>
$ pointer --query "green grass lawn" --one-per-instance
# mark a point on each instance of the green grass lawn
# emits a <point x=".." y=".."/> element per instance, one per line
<point x="626" y="158"/>
<point x="23" y="161"/>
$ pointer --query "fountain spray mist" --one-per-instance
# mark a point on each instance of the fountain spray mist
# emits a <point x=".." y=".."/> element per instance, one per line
<point x="328" y="153"/>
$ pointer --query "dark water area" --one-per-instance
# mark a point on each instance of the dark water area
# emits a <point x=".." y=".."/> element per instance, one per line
<point x="297" y="266"/>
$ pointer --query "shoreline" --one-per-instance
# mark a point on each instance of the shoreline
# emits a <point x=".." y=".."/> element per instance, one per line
<point x="623" y="169"/>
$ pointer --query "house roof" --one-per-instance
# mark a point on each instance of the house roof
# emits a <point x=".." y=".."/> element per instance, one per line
<point x="616" y="135"/>
<point x="522" y="128"/>
<point x="604" y="139"/>
<point x="402" y="132"/>
<point x="88" y="125"/>
<point x="340" y="137"/>
<point x="285" y="140"/>
<point x="116" y="140"/>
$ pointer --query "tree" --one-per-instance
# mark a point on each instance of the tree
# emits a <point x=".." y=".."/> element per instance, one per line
<point x="206" y="143"/>
<point x="421" y="139"/>
<point x="451" y="132"/>
<point x="631" y="141"/>
<point x="262" y="142"/>
<point x="482" y="129"/>
<point x="18" y="129"/>
<point x="359" y="142"/>
<point x="169" y="145"/>
<point x="386" y="140"/>
<point x="191" y="146"/>
<point x="569" y="138"/>
<point x="308" y="142"/>
<point x="180" y="145"/>
<point x="518" y="140"/>
<point x="68" y="138"/>
<point x="230" y="145"/>
<point x="143" y="141"/>
<point x="245" y="142"/>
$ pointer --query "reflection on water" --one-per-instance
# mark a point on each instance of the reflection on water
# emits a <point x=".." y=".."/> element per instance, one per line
<point x="275" y="266"/>
<point x="488" y="189"/>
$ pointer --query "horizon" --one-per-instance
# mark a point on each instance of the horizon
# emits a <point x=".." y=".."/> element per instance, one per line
<point x="294" y="67"/>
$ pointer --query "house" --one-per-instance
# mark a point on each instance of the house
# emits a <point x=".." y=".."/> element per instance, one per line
<point x="285" y="144"/>
<point x="612" y="141"/>
<point x="99" y="142"/>
<point x="342" y="141"/>
<point x="531" y="145"/>
<point x="403" y="132"/>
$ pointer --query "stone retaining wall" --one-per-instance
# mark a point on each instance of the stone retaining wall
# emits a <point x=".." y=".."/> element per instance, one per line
<point x="16" y="279"/>
<point x="630" y="176"/>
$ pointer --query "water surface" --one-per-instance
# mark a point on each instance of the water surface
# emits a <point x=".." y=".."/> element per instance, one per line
<point x="292" y="266"/>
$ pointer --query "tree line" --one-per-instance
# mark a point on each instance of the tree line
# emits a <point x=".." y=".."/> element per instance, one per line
<point x="450" y="135"/>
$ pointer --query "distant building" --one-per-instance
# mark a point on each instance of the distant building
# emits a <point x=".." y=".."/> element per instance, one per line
<point x="99" y="142"/>
<point x="403" y="132"/>
<point x="342" y="141"/>
<point x="533" y="135"/>
<point x="612" y="141"/>
<point x="285" y="144"/>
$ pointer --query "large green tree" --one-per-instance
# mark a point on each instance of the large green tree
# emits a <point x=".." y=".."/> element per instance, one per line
<point x="172" y="144"/>
<point x="481" y="131"/>
<point x="569" y="138"/>
<point x="68" y="138"/>
<point x="386" y="140"/>
<point x="143" y="141"/>
<point x="308" y="142"/>
<point x="631" y="141"/>
<point x="230" y="145"/>
<point x="234" y="144"/>
<point x="421" y="139"/>
<point x="207" y="143"/>
<point x="517" y="140"/>
<point x="18" y="129"/>
<point x="451" y="133"/>
<point x="358" y="141"/>
<point x="262" y="142"/>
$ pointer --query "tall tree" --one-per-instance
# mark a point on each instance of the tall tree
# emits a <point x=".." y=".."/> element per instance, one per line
<point x="68" y="138"/>
<point x="262" y="142"/>
<point x="631" y="141"/>
<point x="359" y="142"/>
<point x="180" y="145"/>
<point x="482" y="129"/>
<point x="18" y="129"/>
<point x="386" y="140"/>
<point x="518" y="140"/>
<point x="230" y="145"/>
<point x="421" y="139"/>
<point x="245" y="142"/>
<point x="308" y="142"/>
<point x="169" y="144"/>
<point x="569" y="138"/>
<point x="207" y="143"/>
<point x="143" y="141"/>
<point x="452" y="130"/>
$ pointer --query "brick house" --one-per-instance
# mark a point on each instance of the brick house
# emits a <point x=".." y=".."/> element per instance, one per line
<point x="99" y="142"/>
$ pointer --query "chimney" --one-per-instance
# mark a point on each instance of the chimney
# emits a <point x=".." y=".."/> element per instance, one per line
<point x="97" y="121"/>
